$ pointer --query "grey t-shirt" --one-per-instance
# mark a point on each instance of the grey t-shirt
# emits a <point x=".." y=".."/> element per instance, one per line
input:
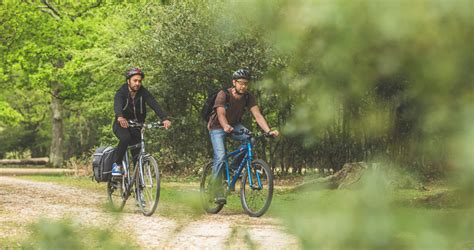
<point x="234" y="111"/>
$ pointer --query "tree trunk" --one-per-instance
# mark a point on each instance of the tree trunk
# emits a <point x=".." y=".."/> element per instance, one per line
<point x="30" y="161"/>
<point x="56" y="153"/>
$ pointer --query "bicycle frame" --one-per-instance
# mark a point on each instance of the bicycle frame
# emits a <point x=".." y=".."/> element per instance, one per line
<point x="140" y="175"/>
<point x="138" y="166"/>
<point x="247" y="160"/>
<point x="256" y="178"/>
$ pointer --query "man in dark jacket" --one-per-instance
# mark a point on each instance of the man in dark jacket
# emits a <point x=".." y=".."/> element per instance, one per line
<point x="130" y="104"/>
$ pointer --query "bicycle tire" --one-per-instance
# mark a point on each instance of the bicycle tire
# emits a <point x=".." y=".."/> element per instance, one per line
<point x="249" y="196"/>
<point x="148" y="193"/>
<point x="116" y="194"/>
<point x="207" y="197"/>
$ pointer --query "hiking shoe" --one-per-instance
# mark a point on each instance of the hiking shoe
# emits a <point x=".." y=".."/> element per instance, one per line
<point x="220" y="198"/>
<point x="116" y="169"/>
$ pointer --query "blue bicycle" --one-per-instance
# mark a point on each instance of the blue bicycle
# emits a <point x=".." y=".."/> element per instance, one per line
<point x="256" y="188"/>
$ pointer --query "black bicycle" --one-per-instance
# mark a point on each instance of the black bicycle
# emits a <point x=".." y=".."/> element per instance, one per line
<point x="256" y="188"/>
<point x="142" y="179"/>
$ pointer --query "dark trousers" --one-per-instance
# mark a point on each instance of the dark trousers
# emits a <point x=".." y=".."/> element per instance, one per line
<point x="126" y="136"/>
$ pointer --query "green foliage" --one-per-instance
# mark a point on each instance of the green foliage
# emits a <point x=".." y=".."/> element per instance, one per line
<point x="8" y="115"/>
<point x="23" y="123"/>
<point x="376" y="81"/>
<point x="366" y="80"/>
<point x="61" y="234"/>
<point x="373" y="79"/>
<point x="374" y="217"/>
<point x="72" y="58"/>
<point x="187" y="59"/>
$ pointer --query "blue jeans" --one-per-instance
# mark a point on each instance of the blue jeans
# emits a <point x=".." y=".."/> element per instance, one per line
<point x="218" y="144"/>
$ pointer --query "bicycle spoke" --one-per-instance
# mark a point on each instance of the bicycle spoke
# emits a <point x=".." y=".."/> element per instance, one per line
<point x="116" y="194"/>
<point x="256" y="198"/>
<point x="149" y="190"/>
<point x="141" y="178"/>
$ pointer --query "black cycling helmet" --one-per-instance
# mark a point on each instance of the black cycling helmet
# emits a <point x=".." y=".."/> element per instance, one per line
<point x="241" y="74"/>
<point x="134" y="71"/>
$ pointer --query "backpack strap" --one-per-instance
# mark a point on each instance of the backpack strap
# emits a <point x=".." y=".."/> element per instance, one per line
<point x="227" y="98"/>
<point x="247" y="97"/>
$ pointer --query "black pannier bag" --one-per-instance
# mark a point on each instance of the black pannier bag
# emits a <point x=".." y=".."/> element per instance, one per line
<point x="102" y="163"/>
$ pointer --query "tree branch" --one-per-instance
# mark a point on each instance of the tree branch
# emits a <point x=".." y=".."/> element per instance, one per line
<point x="54" y="12"/>
<point x="95" y="5"/>
<point x="48" y="11"/>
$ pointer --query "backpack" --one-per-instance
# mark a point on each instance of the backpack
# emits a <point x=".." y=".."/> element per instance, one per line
<point x="102" y="161"/>
<point x="208" y="106"/>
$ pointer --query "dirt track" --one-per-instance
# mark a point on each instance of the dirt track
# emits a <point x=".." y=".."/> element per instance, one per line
<point x="24" y="201"/>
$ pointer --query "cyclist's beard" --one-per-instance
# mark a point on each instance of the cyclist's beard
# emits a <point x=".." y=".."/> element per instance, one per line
<point x="238" y="92"/>
<point x="134" y="88"/>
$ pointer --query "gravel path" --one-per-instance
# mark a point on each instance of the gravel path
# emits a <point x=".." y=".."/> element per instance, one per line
<point x="23" y="202"/>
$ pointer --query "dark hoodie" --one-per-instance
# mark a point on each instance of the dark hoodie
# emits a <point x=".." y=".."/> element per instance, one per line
<point x="132" y="109"/>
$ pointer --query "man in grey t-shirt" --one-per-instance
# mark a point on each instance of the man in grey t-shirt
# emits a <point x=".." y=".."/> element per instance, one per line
<point x="227" y="118"/>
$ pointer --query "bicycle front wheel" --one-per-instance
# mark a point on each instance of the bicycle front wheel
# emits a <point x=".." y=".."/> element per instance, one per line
<point x="207" y="194"/>
<point x="116" y="193"/>
<point x="256" y="198"/>
<point x="148" y="186"/>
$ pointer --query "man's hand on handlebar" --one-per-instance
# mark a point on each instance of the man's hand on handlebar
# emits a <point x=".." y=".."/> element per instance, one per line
<point x="228" y="128"/>
<point x="123" y="122"/>
<point x="167" y="124"/>
<point x="273" y="133"/>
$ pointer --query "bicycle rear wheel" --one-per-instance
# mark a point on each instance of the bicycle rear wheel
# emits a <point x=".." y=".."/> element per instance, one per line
<point x="256" y="199"/>
<point x="207" y="196"/>
<point x="116" y="193"/>
<point x="148" y="186"/>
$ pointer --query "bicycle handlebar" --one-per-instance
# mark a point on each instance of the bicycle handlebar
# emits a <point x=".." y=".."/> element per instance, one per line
<point x="136" y="124"/>
<point x="252" y="135"/>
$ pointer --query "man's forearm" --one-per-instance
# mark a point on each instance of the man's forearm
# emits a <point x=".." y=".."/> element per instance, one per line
<point x="262" y="123"/>
<point x="223" y="121"/>
<point x="118" y="104"/>
<point x="158" y="111"/>
<point x="221" y="118"/>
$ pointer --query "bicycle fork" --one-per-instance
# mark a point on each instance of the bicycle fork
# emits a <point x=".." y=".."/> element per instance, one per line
<point x="249" y="170"/>
<point x="145" y="174"/>
<point x="251" y="179"/>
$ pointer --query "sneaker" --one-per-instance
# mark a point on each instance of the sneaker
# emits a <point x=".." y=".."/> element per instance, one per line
<point x="220" y="198"/>
<point x="116" y="169"/>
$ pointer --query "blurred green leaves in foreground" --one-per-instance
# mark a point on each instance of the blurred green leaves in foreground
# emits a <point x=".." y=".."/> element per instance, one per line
<point x="378" y="217"/>
<point x="375" y="80"/>
<point x="379" y="81"/>
<point x="65" y="234"/>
